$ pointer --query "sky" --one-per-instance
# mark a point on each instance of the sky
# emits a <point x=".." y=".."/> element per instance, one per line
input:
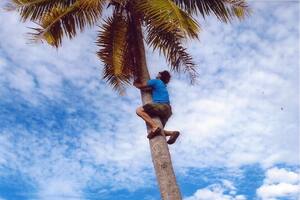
<point x="65" y="134"/>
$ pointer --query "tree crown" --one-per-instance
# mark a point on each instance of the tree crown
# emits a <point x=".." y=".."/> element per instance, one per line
<point x="166" y="23"/>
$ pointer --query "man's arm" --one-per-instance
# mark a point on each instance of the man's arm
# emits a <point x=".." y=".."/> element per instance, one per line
<point x="142" y="86"/>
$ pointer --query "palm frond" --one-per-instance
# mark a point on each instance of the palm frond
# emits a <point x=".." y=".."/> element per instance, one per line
<point x="34" y="10"/>
<point x="60" y="21"/>
<point x="170" y="44"/>
<point x="224" y="10"/>
<point x="167" y="16"/>
<point x="115" y="52"/>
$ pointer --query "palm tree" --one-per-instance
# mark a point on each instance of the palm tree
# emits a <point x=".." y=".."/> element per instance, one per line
<point x="163" y="23"/>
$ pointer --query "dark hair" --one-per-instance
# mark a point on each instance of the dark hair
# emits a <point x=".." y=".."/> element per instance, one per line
<point x="165" y="76"/>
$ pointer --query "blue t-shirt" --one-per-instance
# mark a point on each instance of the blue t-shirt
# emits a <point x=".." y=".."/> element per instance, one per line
<point x="159" y="91"/>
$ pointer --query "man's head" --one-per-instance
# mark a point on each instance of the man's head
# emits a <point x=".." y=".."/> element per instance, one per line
<point x="164" y="76"/>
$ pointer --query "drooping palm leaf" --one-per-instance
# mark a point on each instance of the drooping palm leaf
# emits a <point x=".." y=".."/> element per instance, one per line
<point x="225" y="10"/>
<point x="115" y="51"/>
<point x="61" y="20"/>
<point x="167" y="16"/>
<point x="34" y="10"/>
<point x="170" y="44"/>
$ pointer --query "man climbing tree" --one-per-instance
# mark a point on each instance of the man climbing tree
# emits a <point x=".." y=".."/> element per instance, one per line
<point x="159" y="108"/>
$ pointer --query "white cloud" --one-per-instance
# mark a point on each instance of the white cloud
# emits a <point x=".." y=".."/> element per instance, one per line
<point x="48" y="81"/>
<point x="6" y="148"/>
<point x="276" y="175"/>
<point x="224" y="191"/>
<point x="21" y="80"/>
<point x="59" y="189"/>
<point x="2" y="63"/>
<point x="267" y="192"/>
<point x="280" y="183"/>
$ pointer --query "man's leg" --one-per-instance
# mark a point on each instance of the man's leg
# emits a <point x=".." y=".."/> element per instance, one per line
<point x="168" y="133"/>
<point x="141" y="112"/>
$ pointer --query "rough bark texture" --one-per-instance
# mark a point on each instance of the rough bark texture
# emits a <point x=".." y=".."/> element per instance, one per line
<point x="159" y="149"/>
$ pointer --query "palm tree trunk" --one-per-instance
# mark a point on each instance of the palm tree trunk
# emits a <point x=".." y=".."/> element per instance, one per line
<point x="159" y="149"/>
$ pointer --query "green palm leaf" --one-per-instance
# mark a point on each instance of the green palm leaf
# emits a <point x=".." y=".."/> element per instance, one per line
<point x="225" y="10"/>
<point x="170" y="44"/>
<point x="115" y="52"/>
<point x="167" y="16"/>
<point x="61" y="20"/>
<point x="34" y="10"/>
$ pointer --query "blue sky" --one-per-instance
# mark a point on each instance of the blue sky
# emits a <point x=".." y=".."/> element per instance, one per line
<point x="64" y="134"/>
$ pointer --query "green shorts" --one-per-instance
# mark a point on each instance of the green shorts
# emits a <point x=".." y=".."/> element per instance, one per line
<point x="161" y="110"/>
